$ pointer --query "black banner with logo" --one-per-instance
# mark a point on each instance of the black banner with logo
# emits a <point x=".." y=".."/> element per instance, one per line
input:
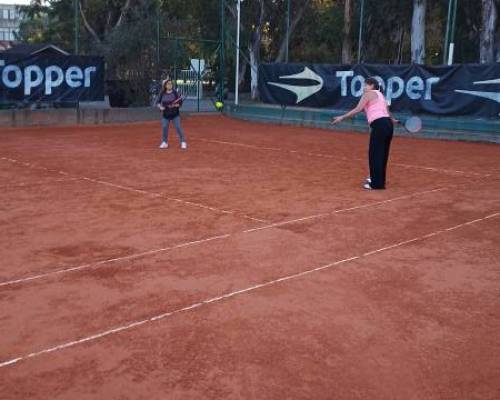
<point x="50" y="78"/>
<point x="467" y="89"/>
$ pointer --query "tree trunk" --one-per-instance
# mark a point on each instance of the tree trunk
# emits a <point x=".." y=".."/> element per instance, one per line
<point x="254" y="74"/>
<point x="399" y="57"/>
<point x="243" y="71"/>
<point x="295" y="21"/>
<point x="346" y="40"/>
<point x="254" y="50"/>
<point x="93" y="33"/>
<point x="123" y="13"/>
<point x="487" y="36"/>
<point x="87" y="25"/>
<point x="497" y="46"/>
<point x="418" y="31"/>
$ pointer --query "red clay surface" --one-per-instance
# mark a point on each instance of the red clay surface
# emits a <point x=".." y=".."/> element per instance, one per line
<point x="251" y="266"/>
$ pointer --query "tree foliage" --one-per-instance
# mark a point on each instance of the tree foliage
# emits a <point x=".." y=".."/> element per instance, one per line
<point x="126" y="32"/>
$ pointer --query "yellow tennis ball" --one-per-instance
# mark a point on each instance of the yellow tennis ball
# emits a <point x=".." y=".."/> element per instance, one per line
<point x="219" y="104"/>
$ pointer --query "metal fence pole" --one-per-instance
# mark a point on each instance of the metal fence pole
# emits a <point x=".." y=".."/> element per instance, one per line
<point x="452" y="33"/>
<point x="158" y="35"/>
<point x="76" y="13"/>
<point x="288" y="11"/>
<point x="237" y="69"/>
<point x="447" y="33"/>
<point x="222" y="67"/>
<point x="360" y="37"/>
<point x="199" y="82"/>
<point x="176" y="45"/>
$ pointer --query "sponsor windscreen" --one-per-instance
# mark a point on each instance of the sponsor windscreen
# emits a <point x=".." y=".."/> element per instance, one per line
<point x="56" y="78"/>
<point x="466" y="89"/>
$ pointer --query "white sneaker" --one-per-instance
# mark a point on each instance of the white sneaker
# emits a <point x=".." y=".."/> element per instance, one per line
<point x="367" y="186"/>
<point x="164" y="145"/>
<point x="184" y="145"/>
<point x="368" y="180"/>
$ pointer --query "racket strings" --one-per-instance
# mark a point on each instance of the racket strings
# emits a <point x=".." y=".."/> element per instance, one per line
<point x="413" y="124"/>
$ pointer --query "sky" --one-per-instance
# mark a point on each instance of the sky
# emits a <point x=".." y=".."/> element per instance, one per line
<point x="23" y="2"/>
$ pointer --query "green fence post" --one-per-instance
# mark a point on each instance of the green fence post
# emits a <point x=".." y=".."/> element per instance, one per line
<point x="453" y="24"/>
<point x="76" y="12"/>
<point x="158" y="56"/>
<point x="360" y="37"/>
<point x="176" y="45"/>
<point x="198" y="82"/>
<point x="222" y="72"/>
<point x="447" y="33"/>
<point x="288" y="10"/>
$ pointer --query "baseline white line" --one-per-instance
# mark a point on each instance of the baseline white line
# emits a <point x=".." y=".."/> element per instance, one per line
<point x="127" y="188"/>
<point x="111" y="260"/>
<point x="448" y="171"/>
<point x="321" y="155"/>
<point x="223" y="236"/>
<point x="218" y="210"/>
<point x="26" y="185"/>
<point x="342" y="210"/>
<point x="233" y="294"/>
<point x="131" y="189"/>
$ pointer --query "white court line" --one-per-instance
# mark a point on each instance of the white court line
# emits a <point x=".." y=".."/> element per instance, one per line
<point x="336" y="157"/>
<point x="25" y="185"/>
<point x="223" y="236"/>
<point x="342" y="210"/>
<point x="448" y="171"/>
<point x="131" y="189"/>
<point x="233" y="294"/>
<point x="111" y="260"/>
<point x="218" y="210"/>
<point x="127" y="188"/>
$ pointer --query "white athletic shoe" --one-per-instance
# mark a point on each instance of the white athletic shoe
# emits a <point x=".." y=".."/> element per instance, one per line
<point x="184" y="145"/>
<point x="164" y="145"/>
<point x="367" y="186"/>
<point x="368" y="180"/>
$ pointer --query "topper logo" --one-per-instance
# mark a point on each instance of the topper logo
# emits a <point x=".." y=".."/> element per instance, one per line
<point x="32" y="76"/>
<point x="302" y="92"/>
<point x="415" y="88"/>
<point x="495" y="96"/>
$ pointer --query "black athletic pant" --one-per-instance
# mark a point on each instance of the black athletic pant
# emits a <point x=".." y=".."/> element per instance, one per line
<point x="381" y="133"/>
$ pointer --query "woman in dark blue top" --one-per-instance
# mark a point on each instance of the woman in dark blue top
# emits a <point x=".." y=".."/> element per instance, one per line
<point x="169" y="102"/>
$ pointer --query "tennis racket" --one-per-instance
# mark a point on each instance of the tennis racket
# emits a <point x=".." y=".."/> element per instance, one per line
<point x="177" y="100"/>
<point x="412" y="124"/>
<point x="174" y="102"/>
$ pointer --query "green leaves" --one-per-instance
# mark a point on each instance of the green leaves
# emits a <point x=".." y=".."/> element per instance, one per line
<point x="126" y="32"/>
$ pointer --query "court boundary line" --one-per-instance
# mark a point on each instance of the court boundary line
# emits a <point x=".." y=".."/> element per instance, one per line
<point x="96" y="264"/>
<point x="15" y="281"/>
<point x="23" y="185"/>
<point x="134" y="190"/>
<point x="343" y="158"/>
<point x="225" y="296"/>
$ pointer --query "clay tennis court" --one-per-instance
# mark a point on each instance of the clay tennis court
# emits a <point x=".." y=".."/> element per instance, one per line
<point x="251" y="266"/>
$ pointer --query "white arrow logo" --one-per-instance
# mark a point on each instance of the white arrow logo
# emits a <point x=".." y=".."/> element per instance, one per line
<point x="495" y="96"/>
<point x="302" y="92"/>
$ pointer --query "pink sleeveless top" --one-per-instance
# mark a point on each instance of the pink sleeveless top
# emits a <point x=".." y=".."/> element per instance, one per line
<point x="377" y="108"/>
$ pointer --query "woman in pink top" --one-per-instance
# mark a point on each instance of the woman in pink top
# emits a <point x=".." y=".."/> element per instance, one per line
<point x="374" y="105"/>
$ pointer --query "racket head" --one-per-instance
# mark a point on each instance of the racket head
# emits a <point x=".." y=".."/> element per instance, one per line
<point x="413" y="124"/>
